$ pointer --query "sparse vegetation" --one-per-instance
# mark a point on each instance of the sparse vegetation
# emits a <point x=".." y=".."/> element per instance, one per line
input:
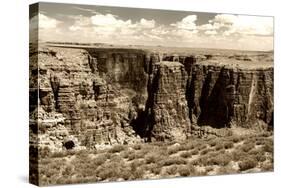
<point x="247" y="164"/>
<point x="192" y="158"/>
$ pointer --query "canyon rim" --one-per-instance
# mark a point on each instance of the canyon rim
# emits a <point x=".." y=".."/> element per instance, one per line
<point x="131" y="94"/>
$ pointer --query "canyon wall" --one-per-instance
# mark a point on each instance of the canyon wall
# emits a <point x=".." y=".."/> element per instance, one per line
<point x="102" y="96"/>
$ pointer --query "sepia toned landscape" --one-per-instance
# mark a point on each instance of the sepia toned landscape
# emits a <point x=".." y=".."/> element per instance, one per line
<point x="106" y="111"/>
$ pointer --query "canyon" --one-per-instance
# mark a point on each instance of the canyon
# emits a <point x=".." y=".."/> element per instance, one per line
<point x="94" y="97"/>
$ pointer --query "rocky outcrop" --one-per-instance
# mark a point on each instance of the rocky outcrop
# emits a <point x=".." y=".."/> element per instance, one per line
<point x="223" y="96"/>
<point x="103" y="96"/>
<point x="169" y="109"/>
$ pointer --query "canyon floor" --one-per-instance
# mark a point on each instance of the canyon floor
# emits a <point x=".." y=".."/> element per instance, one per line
<point x="246" y="153"/>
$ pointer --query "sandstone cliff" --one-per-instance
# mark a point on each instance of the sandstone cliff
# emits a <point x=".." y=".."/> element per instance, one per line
<point x="103" y="96"/>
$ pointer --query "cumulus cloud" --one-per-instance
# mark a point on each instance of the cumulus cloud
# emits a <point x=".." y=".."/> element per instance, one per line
<point x="146" y="23"/>
<point x="46" y="22"/>
<point x="222" y="31"/>
<point x="109" y="20"/>
<point x="210" y="32"/>
<point x="187" y="23"/>
<point x="240" y="24"/>
<point x="108" y="27"/>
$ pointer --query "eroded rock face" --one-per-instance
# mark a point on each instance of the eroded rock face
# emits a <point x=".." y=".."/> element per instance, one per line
<point x="108" y="96"/>
<point x="169" y="109"/>
<point x="221" y="96"/>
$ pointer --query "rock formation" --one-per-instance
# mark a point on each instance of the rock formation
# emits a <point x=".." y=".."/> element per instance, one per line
<point x="102" y="96"/>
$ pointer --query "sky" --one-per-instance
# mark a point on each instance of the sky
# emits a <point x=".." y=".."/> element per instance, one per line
<point x="151" y="27"/>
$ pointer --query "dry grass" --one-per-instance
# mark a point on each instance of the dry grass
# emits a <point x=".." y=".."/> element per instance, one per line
<point x="191" y="158"/>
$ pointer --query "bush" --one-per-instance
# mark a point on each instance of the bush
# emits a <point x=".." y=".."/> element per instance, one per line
<point x="194" y="151"/>
<point x="137" y="147"/>
<point x="172" y="161"/>
<point x="116" y="148"/>
<point x="68" y="171"/>
<point x="221" y="160"/>
<point x="247" y="164"/>
<point x="213" y="143"/>
<point x="247" y="147"/>
<point x="226" y="170"/>
<point x="151" y="158"/>
<point x="219" y="146"/>
<point x="228" y="145"/>
<point x="138" y="173"/>
<point x="205" y="151"/>
<point x="125" y="174"/>
<point x="44" y="152"/>
<point x="99" y="160"/>
<point x="155" y="169"/>
<point x="202" y="147"/>
<point x="185" y="154"/>
<point x="172" y="170"/>
<point x="267" y="167"/>
<point x="238" y="155"/>
<point x="201" y="161"/>
<point x="126" y="153"/>
<point x="268" y="147"/>
<point x="235" y="139"/>
<point x="173" y="149"/>
<point x="260" y="157"/>
<point x="59" y="154"/>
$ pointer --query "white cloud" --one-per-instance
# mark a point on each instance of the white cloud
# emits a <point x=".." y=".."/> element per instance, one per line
<point x="206" y="27"/>
<point x="223" y="31"/>
<point x="86" y="10"/>
<point x="248" y="25"/>
<point x="109" y="20"/>
<point x="146" y="23"/>
<point x="46" y="22"/>
<point x="210" y="32"/>
<point x="187" y="23"/>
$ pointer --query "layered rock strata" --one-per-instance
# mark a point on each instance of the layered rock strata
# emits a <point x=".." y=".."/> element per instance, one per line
<point x="103" y="96"/>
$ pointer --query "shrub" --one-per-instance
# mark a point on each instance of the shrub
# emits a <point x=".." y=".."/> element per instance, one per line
<point x="126" y="153"/>
<point x="213" y="143"/>
<point x="173" y="149"/>
<point x="135" y="164"/>
<point x="138" y="173"/>
<point x="125" y="174"/>
<point x="107" y="173"/>
<point x="59" y="154"/>
<point x="185" y="154"/>
<point x="137" y="147"/>
<point x="268" y="147"/>
<point x="201" y="161"/>
<point x="267" y="167"/>
<point x="171" y="170"/>
<point x="226" y="170"/>
<point x="221" y="160"/>
<point x="235" y="139"/>
<point x="116" y="148"/>
<point x="247" y="164"/>
<point x="151" y="158"/>
<point x="99" y="160"/>
<point x="44" y="152"/>
<point x="205" y="151"/>
<point x="260" y="157"/>
<point x="202" y="147"/>
<point x="247" y="147"/>
<point x="172" y="161"/>
<point x="219" y="146"/>
<point x="195" y="151"/>
<point x="238" y="155"/>
<point x="155" y="169"/>
<point x="209" y="168"/>
<point x="228" y="145"/>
